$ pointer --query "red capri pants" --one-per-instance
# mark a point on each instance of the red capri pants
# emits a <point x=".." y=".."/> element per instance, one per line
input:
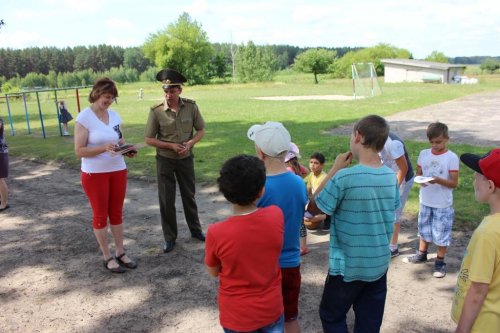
<point x="106" y="193"/>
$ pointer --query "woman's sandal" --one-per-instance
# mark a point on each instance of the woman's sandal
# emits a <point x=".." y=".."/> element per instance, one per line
<point x="118" y="269"/>
<point x="131" y="264"/>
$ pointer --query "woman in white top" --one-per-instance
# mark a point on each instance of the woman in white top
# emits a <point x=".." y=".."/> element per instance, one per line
<point x="103" y="171"/>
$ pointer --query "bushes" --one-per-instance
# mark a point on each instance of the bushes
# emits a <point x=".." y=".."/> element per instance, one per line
<point x="490" y="65"/>
<point x="123" y="75"/>
<point x="149" y="75"/>
<point x="33" y="80"/>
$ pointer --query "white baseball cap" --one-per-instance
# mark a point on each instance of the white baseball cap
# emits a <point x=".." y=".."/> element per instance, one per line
<point x="293" y="152"/>
<point x="272" y="138"/>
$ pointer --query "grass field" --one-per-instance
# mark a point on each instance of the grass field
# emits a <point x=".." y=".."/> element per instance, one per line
<point x="229" y="110"/>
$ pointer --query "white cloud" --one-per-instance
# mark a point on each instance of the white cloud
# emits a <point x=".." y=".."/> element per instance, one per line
<point x="307" y="14"/>
<point x="20" y="39"/>
<point x="87" y="6"/>
<point x="198" y="7"/>
<point x="454" y="27"/>
<point x="118" y="23"/>
<point x="28" y="14"/>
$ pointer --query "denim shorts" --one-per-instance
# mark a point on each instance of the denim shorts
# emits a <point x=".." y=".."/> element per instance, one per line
<point x="277" y="326"/>
<point x="404" y="191"/>
<point x="434" y="224"/>
<point x="303" y="231"/>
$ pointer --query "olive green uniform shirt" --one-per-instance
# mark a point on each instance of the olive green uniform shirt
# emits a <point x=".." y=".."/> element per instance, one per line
<point x="169" y="126"/>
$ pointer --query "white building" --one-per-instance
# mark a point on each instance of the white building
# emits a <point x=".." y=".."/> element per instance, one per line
<point x="409" y="70"/>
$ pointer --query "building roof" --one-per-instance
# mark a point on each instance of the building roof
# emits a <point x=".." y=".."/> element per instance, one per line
<point x="421" y="63"/>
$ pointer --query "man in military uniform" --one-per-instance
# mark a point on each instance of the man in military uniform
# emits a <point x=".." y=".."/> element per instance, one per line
<point x="170" y="129"/>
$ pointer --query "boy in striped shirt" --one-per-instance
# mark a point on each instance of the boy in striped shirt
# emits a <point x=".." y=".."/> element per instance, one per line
<point x="362" y="201"/>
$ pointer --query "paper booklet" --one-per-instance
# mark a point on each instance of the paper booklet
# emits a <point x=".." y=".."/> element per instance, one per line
<point x="128" y="148"/>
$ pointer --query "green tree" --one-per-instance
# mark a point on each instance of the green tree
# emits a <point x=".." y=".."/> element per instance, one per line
<point x="342" y="67"/>
<point x="219" y="65"/>
<point x="490" y="65"/>
<point x="316" y="61"/>
<point x="255" y="63"/>
<point x="183" y="46"/>
<point x="133" y="57"/>
<point x="436" y="56"/>
<point x="57" y="62"/>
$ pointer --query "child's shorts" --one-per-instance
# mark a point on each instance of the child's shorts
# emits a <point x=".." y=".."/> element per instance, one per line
<point x="303" y="231"/>
<point x="434" y="224"/>
<point x="4" y="165"/>
<point x="404" y="191"/>
<point x="290" y="287"/>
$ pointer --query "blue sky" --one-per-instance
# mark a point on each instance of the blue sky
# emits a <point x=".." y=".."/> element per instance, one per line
<point x="454" y="27"/>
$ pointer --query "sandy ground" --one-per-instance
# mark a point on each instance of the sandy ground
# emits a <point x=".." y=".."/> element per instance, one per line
<point x="52" y="278"/>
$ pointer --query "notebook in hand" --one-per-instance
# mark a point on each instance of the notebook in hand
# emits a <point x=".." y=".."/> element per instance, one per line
<point x="125" y="149"/>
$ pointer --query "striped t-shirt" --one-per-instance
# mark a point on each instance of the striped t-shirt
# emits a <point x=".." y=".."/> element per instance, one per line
<point x="362" y="202"/>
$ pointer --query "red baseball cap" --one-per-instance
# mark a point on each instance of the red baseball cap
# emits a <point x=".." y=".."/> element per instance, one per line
<point x="488" y="165"/>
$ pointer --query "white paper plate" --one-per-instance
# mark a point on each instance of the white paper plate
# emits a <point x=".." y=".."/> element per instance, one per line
<point x="422" y="179"/>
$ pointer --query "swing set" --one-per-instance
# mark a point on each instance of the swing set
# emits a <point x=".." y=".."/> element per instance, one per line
<point x="26" y="94"/>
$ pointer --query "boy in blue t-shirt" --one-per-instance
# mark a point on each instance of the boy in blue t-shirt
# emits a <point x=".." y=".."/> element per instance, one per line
<point x="287" y="191"/>
<point x="362" y="201"/>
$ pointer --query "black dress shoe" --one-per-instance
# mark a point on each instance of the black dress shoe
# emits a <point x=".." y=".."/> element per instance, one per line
<point x="199" y="236"/>
<point x="168" y="246"/>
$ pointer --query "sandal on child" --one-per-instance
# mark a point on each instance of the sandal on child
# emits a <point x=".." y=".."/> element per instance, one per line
<point x="118" y="269"/>
<point x="131" y="264"/>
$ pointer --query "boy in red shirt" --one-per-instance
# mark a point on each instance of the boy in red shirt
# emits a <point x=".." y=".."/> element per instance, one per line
<point x="244" y="250"/>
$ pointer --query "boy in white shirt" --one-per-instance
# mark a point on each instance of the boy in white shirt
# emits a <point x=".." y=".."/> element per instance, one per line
<point x="436" y="213"/>
<point x="395" y="156"/>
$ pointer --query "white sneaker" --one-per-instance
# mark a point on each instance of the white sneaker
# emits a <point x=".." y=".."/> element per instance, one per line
<point x="439" y="270"/>
<point x="65" y="133"/>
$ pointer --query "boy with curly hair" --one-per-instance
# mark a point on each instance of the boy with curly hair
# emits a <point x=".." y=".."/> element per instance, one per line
<point x="244" y="249"/>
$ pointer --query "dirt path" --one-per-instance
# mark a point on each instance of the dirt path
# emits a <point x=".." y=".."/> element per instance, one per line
<point x="52" y="279"/>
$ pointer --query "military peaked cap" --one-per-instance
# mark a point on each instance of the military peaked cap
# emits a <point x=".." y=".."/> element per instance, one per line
<point x="169" y="77"/>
